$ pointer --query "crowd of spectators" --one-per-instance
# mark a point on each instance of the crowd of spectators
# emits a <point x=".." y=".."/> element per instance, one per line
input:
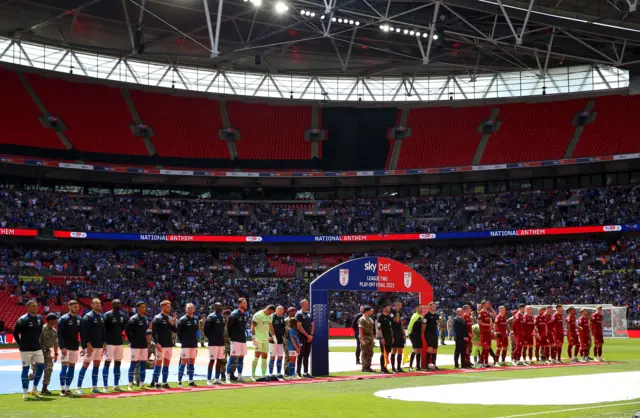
<point x="22" y="208"/>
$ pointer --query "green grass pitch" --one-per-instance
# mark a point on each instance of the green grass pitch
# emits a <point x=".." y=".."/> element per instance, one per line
<point x="338" y="399"/>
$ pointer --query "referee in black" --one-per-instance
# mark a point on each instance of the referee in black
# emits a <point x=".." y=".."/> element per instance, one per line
<point x="356" y="332"/>
<point x="385" y="333"/>
<point x="306" y="328"/>
<point x="431" y="335"/>
<point x="462" y="337"/>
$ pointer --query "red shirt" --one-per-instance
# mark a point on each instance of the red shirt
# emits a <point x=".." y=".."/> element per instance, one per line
<point x="501" y="324"/>
<point x="583" y="325"/>
<point x="558" y="326"/>
<point x="571" y="325"/>
<point x="596" y="323"/>
<point x="519" y="323"/>
<point x="529" y="324"/>
<point x="467" y="319"/>
<point x="541" y="324"/>
<point x="551" y="326"/>
<point x="484" y="320"/>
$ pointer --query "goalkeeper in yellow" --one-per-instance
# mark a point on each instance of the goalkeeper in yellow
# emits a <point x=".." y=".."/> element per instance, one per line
<point x="261" y="327"/>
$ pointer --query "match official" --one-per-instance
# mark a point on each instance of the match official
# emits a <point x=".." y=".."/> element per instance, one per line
<point x="385" y="334"/>
<point x="306" y="328"/>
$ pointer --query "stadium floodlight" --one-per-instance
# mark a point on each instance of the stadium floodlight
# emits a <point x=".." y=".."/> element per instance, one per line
<point x="313" y="14"/>
<point x="280" y="7"/>
<point x="424" y="35"/>
<point x="256" y="3"/>
<point x="406" y="31"/>
<point x="322" y="17"/>
<point x="398" y="30"/>
<point x="340" y="20"/>
<point x="417" y="33"/>
<point x="333" y="19"/>
<point x="357" y="23"/>
<point x="412" y="33"/>
<point x="351" y="22"/>
<point x="435" y="36"/>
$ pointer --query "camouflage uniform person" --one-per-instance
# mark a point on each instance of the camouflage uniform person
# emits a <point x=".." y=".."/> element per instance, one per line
<point x="291" y="313"/>
<point x="227" y="349"/>
<point x="203" y="338"/>
<point x="450" y="326"/>
<point x="150" y="363"/>
<point x="442" y="327"/>
<point x="367" y="334"/>
<point x="48" y="340"/>
<point x="512" y="335"/>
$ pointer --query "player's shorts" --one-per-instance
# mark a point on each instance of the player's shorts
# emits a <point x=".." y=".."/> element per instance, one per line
<point x="598" y="338"/>
<point x="485" y="339"/>
<point x="238" y="348"/>
<point x="398" y="341"/>
<point x="543" y="341"/>
<point x="527" y="340"/>
<point x="188" y="352"/>
<point x="503" y="340"/>
<point x="139" y="354"/>
<point x="558" y="339"/>
<point x="386" y="347"/>
<point x="71" y="357"/>
<point x="30" y="357"/>
<point x="262" y="346"/>
<point x="432" y="340"/>
<point x="416" y="340"/>
<point x="114" y="353"/>
<point x="293" y="353"/>
<point x="96" y="355"/>
<point x="572" y="339"/>
<point x="276" y="350"/>
<point x="216" y="352"/>
<point x="165" y="354"/>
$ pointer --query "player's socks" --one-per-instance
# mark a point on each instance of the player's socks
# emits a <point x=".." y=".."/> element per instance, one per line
<point x="279" y="365"/>
<point x="190" y="371"/>
<point x="433" y="358"/>
<point x="71" y="369"/>
<point x="105" y="373"/>
<point x="263" y="366"/>
<point x="210" y="369"/>
<point x="25" y="377"/>
<point x="240" y="366"/>
<point x="393" y="360"/>
<point x="292" y="370"/>
<point x="83" y="370"/>
<point x="63" y="377"/>
<point x="165" y="373"/>
<point x="418" y="363"/>
<point x="142" y="373"/>
<point x="504" y="355"/>
<point x="271" y="364"/>
<point x="531" y="353"/>
<point x="94" y="376"/>
<point x="180" y="372"/>
<point x="399" y="361"/>
<point x="116" y="373"/>
<point x="230" y="366"/>
<point x="254" y="366"/>
<point x="537" y="353"/>
<point x="38" y="375"/>
<point x="382" y="361"/>
<point x="132" y="371"/>
<point x="156" y="374"/>
<point x="218" y="368"/>
<point x="413" y="356"/>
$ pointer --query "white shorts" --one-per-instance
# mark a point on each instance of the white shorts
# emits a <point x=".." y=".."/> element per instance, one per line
<point x="189" y="353"/>
<point x="216" y="352"/>
<point x="30" y="357"/>
<point x="96" y="355"/>
<point x="139" y="354"/>
<point x="114" y="353"/>
<point x="293" y="353"/>
<point x="165" y="354"/>
<point x="238" y="349"/>
<point x="71" y="357"/>
<point x="276" y="350"/>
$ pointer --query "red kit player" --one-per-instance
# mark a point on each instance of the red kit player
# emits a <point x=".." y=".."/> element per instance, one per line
<point x="519" y="330"/>
<point x="572" y="335"/>
<point x="529" y="331"/>
<point x="585" y="334"/>
<point x="485" y="323"/>
<point x="500" y="328"/>
<point x="542" y="342"/>
<point x="557" y="335"/>
<point x="596" y="330"/>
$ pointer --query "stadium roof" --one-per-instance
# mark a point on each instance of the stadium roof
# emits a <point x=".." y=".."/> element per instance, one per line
<point x="473" y="36"/>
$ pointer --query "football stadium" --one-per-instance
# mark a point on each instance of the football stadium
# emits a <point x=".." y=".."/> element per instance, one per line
<point x="319" y="208"/>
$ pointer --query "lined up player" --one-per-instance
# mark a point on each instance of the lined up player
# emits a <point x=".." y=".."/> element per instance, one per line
<point x="69" y="327"/>
<point x="236" y="326"/>
<point x="214" y="331"/>
<point x="529" y="334"/>
<point x="542" y="342"/>
<point x="261" y="327"/>
<point x="512" y="334"/>
<point x="431" y="336"/>
<point x="486" y="324"/>
<point x="114" y="324"/>
<point x="291" y="314"/>
<point x="596" y="330"/>
<point x="584" y="333"/>
<point x="136" y="331"/>
<point x="188" y="336"/>
<point x="557" y="325"/>
<point x="276" y="344"/>
<point x="163" y="326"/>
<point x="48" y="341"/>
<point x="519" y="331"/>
<point x="573" y="343"/>
<point x="502" y="339"/>
<point x="293" y="345"/>
<point x="397" y="346"/>
<point x="384" y="333"/>
<point x="94" y="342"/>
<point x="27" y="334"/>
<point x="415" y="335"/>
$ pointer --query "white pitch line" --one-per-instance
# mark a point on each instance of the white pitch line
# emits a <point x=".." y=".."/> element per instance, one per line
<point x="570" y="410"/>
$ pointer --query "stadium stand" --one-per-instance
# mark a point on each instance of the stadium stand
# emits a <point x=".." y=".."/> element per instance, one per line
<point x="19" y="117"/>
<point x="271" y="132"/>
<point x="184" y="127"/>
<point x="532" y="132"/>
<point x="442" y="136"/>
<point x="78" y="104"/>
<point x="613" y="131"/>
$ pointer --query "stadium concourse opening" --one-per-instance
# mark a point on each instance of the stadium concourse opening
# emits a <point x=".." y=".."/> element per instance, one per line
<point x="372" y="274"/>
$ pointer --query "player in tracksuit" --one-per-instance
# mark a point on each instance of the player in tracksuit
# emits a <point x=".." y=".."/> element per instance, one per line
<point x="136" y="331"/>
<point x="162" y="327"/>
<point x="114" y="322"/>
<point x="94" y="342"/>
<point x="27" y="334"/>
<point x="69" y="327"/>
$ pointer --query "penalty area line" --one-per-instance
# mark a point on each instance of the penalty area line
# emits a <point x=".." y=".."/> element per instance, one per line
<point x="570" y="410"/>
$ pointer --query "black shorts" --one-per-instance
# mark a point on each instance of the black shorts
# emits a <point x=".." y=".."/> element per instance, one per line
<point x="416" y="340"/>
<point x="398" y="341"/>
<point x="387" y="347"/>
<point x="432" y="340"/>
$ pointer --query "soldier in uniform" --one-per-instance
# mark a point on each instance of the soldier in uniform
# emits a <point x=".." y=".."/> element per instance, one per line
<point x="151" y="358"/>
<point x="203" y="338"/>
<point x="367" y="334"/>
<point x="48" y="340"/>
<point x="512" y="335"/>
<point x="291" y="313"/>
<point x="442" y="327"/>
<point x="450" y="323"/>
<point x="227" y="349"/>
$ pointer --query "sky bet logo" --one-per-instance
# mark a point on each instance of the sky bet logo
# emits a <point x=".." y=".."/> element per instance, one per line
<point x="369" y="266"/>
